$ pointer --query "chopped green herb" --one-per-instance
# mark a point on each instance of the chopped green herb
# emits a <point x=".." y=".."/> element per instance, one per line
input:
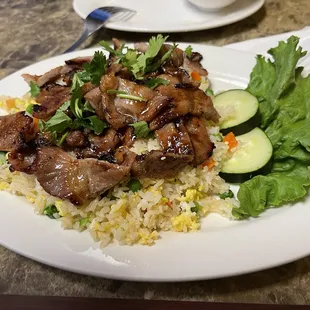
<point x="84" y="222"/>
<point x="196" y="208"/>
<point x="108" y="48"/>
<point x="154" y="82"/>
<point x="228" y="194"/>
<point x="41" y="125"/>
<point x="50" y="211"/>
<point x="62" y="139"/>
<point x="188" y="51"/>
<point x="58" y="123"/>
<point x="76" y="108"/>
<point x="88" y="108"/>
<point x="124" y="95"/>
<point x="76" y="98"/>
<point x="29" y="109"/>
<point x="142" y="129"/>
<point x="3" y="159"/>
<point x="113" y="197"/>
<point x="65" y="106"/>
<point x="76" y="82"/>
<point x="115" y="91"/>
<point x="209" y="92"/>
<point x="134" y="185"/>
<point x="97" y="124"/>
<point x="34" y="89"/>
<point x="84" y="76"/>
<point x="142" y="63"/>
<point x="131" y="97"/>
<point x="96" y="68"/>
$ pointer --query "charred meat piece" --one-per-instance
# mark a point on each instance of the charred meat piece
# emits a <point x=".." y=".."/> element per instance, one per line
<point x="79" y="60"/>
<point x="179" y="73"/>
<point x="43" y="139"/>
<point x="159" y="165"/>
<point x="50" y="98"/>
<point x="76" y="138"/>
<point x="23" y="160"/>
<point x="185" y="101"/>
<point x="154" y="107"/>
<point x="124" y="157"/>
<point x="195" y="56"/>
<point x="177" y="56"/>
<point x="193" y="64"/>
<point x="47" y="78"/>
<point x="203" y="147"/>
<point x="88" y="87"/>
<point x="127" y="136"/>
<point x="174" y="138"/>
<point x="73" y="179"/>
<point x="100" y="145"/>
<point x="15" y="131"/>
<point x="141" y="47"/>
<point x="120" y="112"/>
<point x="94" y="97"/>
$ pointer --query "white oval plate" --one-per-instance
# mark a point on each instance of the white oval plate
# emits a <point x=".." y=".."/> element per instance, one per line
<point x="173" y="16"/>
<point x="221" y="248"/>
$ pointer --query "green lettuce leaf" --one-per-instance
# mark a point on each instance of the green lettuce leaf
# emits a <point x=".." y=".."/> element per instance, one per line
<point x="269" y="80"/>
<point x="284" y="97"/>
<point x="272" y="190"/>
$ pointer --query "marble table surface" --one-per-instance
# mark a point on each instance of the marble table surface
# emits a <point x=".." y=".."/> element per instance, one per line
<point x="31" y="30"/>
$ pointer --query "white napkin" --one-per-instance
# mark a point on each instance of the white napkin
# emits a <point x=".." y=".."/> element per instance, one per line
<point x="262" y="45"/>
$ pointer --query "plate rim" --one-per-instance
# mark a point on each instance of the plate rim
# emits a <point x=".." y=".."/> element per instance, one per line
<point x="204" y="26"/>
<point x="141" y="278"/>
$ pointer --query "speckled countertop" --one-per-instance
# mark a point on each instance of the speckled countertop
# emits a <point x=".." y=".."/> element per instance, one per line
<point x="36" y="29"/>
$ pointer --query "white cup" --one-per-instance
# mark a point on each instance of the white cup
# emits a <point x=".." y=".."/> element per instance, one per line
<point x="211" y="5"/>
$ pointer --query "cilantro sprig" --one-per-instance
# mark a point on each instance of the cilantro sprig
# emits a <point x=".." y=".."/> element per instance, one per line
<point x="141" y="63"/>
<point x="93" y="71"/>
<point x="34" y="89"/>
<point x="155" y="82"/>
<point x="141" y="129"/>
<point x="188" y="51"/>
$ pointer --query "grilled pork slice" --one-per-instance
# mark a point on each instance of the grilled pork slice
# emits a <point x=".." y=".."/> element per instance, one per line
<point x="15" y="131"/>
<point x="120" y="112"/>
<point x="47" y="78"/>
<point x="78" y="180"/>
<point x="192" y="63"/>
<point x="76" y="138"/>
<point x="174" y="138"/>
<point x="185" y="101"/>
<point x="159" y="165"/>
<point x="79" y="61"/>
<point x="23" y="160"/>
<point x="50" y="77"/>
<point x="154" y="107"/>
<point x="202" y="145"/>
<point x="50" y="98"/>
<point x="94" y="98"/>
<point x="100" y="145"/>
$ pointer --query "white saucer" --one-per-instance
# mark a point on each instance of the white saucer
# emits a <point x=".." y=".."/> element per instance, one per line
<point x="170" y="16"/>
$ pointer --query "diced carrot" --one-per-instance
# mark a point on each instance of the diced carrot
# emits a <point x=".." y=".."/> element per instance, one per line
<point x="169" y="203"/>
<point x="10" y="104"/>
<point x="196" y="76"/>
<point x="231" y="140"/>
<point x="36" y="122"/>
<point x="210" y="163"/>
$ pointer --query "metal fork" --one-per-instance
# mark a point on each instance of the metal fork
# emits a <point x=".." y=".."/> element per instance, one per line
<point x="97" y="19"/>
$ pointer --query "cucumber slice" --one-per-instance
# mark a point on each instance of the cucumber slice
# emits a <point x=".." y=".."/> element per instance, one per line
<point x="252" y="157"/>
<point x="245" y="115"/>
